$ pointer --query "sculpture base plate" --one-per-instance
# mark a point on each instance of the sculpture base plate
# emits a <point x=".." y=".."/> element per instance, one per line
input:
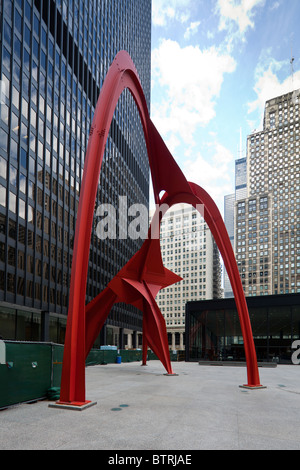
<point x="73" y="405"/>
<point x="253" y="387"/>
<point x="176" y="375"/>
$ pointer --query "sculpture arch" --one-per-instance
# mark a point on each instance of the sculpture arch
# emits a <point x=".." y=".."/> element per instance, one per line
<point x="144" y="275"/>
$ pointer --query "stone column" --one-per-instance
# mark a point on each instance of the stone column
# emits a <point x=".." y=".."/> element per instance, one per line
<point x="129" y="340"/>
<point x="173" y="342"/>
<point x="181" y="341"/>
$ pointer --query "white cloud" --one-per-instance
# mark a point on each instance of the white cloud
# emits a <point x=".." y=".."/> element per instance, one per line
<point x="191" y="80"/>
<point x="238" y="14"/>
<point x="215" y="175"/>
<point x="172" y="143"/>
<point x="274" y="6"/>
<point x="192" y="29"/>
<point x="164" y="10"/>
<point x="268" y="85"/>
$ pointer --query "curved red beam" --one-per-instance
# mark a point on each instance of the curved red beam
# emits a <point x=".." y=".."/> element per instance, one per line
<point x="84" y="322"/>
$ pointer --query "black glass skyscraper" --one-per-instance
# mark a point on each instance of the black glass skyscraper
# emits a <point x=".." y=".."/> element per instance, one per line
<point x="54" y="58"/>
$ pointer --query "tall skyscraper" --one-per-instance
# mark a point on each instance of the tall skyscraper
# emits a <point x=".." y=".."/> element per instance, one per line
<point x="240" y="178"/>
<point x="54" y="57"/>
<point x="240" y="192"/>
<point x="267" y="223"/>
<point x="229" y="203"/>
<point x="189" y="250"/>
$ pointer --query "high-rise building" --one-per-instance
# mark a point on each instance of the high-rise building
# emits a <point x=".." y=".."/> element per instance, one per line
<point x="229" y="202"/>
<point x="189" y="250"/>
<point x="229" y="205"/>
<point x="267" y="223"/>
<point x="54" y="57"/>
<point x="240" y="178"/>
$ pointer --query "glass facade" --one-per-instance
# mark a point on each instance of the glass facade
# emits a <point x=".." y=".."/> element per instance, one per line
<point x="229" y="202"/>
<point x="54" y="57"/>
<point x="213" y="331"/>
<point x="240" y="178"/>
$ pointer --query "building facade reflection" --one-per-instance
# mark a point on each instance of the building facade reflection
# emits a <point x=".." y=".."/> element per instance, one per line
<point x="213" y="330"/>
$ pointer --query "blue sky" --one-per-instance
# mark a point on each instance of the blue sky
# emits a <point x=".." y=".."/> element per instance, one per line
<point x="214" y="64"/>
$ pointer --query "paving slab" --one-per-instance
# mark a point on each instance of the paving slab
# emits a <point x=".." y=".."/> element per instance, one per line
<point x="142" y="409"/>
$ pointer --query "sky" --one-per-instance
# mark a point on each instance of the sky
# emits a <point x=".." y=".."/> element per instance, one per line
<point x="214" y="65"/>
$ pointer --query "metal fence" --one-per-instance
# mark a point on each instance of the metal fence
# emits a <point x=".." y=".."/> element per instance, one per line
<point x="28" y="370"/>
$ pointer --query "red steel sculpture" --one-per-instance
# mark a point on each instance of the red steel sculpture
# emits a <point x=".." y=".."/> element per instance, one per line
<point x="144" y="275"/>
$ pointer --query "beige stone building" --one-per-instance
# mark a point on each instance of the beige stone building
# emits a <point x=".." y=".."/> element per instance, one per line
<point x="267" y="221"/>
<point x="189" y="250"/>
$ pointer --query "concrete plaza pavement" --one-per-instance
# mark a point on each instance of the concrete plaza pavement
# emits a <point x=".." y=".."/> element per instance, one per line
<point x="141" y="408"/>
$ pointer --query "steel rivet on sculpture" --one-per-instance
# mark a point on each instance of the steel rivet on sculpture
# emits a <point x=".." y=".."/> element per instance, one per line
<point x="144" y="275"/>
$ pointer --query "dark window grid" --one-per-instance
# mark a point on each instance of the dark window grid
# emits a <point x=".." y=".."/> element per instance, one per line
<point x="4" y="250"/>
<point x="18" y="22"/>
<point x="7" y="73"/>
<point x="7" y="33"/>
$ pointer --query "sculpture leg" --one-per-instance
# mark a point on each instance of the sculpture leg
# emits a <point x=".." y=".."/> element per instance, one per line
<point x="156" y="333"/>
<point x="97" y="312"/>
<point x="219" y="232"/>
<point x="145" y="348"/>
